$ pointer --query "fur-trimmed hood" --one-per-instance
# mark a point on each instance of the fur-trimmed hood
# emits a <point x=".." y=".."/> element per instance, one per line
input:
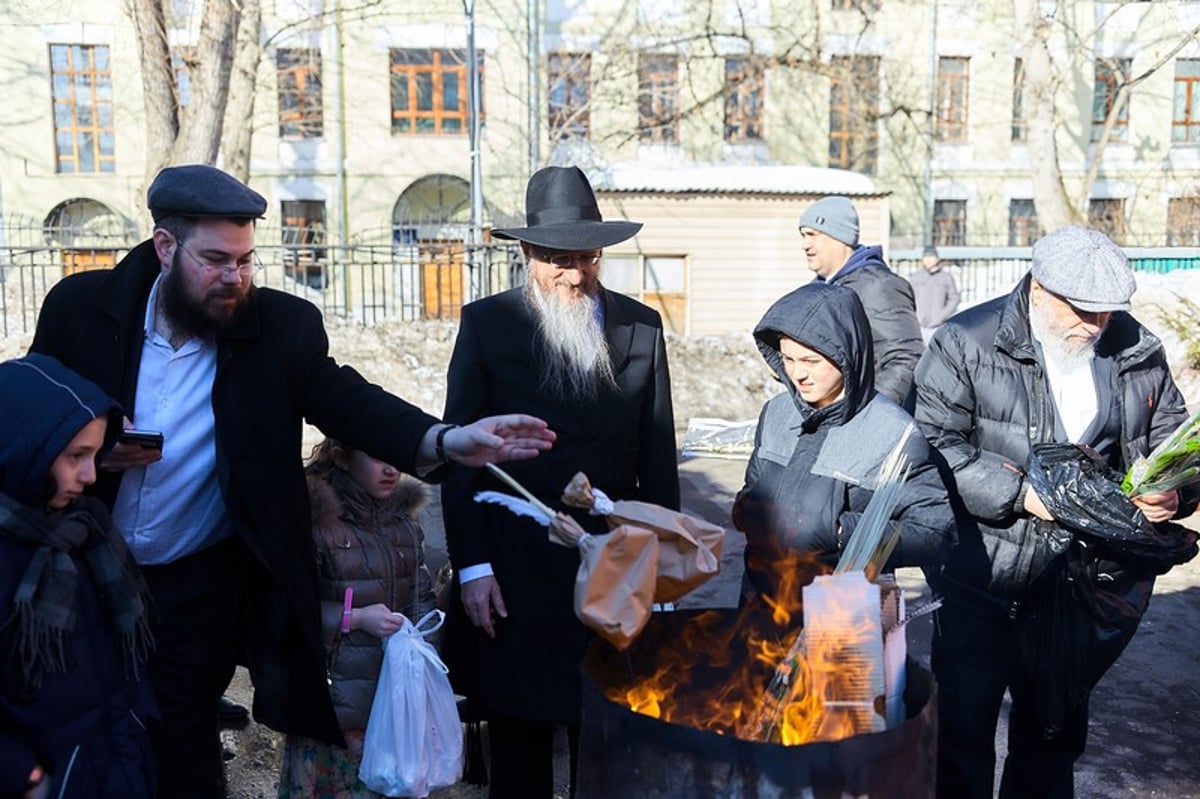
<point x="328" y="508"/>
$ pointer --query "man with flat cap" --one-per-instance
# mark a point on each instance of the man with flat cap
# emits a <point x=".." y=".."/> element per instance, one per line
<point x="593" y="364"/>
<point x="1059" y="359"/>
<point x="218" y="517"/>
<point x="829" y="229"/>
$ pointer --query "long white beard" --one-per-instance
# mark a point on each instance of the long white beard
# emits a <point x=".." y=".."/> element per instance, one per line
<point x="1069" y="354"/>
<point x="577" y="362"/>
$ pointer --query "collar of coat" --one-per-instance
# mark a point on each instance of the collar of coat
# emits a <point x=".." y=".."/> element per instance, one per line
<point x="336" y="496"/>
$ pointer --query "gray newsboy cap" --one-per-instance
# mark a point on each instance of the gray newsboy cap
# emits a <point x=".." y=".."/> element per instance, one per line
<point x="1085" y="268"/>
<point x="199" y="190"/>
<point x="833" y="216"/>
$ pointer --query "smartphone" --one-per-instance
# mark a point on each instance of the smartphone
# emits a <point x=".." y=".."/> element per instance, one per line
<point x="146" y="439"/>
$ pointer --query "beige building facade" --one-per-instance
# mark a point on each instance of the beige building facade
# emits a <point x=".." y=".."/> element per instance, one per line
<point x="714" y="123"/>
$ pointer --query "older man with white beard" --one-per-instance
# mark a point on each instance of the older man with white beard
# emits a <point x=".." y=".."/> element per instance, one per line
<point x="592" y="363"/>
<point x="1060" y="359"/>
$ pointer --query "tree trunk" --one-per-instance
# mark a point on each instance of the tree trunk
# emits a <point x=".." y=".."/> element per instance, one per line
<point x="239" y="110"/>
<point x="1050" y="199"/>
<point x="161" y="102"/>
<point x="200" y="132"/>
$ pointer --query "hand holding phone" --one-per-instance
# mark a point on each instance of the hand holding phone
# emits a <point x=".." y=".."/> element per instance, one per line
<point x="146" y="439"/>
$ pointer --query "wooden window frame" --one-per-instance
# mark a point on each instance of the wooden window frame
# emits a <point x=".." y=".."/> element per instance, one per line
<point x="89" y="133"/>
<point x="745" y="93"/>
<point x="1110" y="75"/>
<point x="301" y="106"/>
<point x="1183" y="221"/>
<point x="658" y="98"/>
<point x="413" y="70"/>
<point x="303" y="236"/>
<point x="852" y="147"/>
<point x="949" y="223"/>
<point x="1107" y="214"/>
<point x="569" y="95"/>
<point x="1023" y="228"/>
<point x="1185" y="116"/>
<point x="953" y="99"/>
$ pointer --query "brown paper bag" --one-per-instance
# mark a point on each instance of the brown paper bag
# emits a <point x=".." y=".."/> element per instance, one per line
<point x="689" y="551"/>
<point x="614" y="587"/>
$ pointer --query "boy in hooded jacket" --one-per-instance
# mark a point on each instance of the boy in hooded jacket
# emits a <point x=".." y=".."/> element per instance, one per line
<point x="820" y="444"/>
<point x="73" y="626"/>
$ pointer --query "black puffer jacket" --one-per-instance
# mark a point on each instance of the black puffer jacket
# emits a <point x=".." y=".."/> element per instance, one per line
<point x="376" y="548"/>
<point x="812" y="471"/>
<point x="891" y="311"/>
<point x="983" y="400"/>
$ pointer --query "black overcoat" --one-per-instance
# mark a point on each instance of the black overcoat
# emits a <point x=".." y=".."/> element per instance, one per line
<point x="273" y="373"/>
<point x="623" y="439"/>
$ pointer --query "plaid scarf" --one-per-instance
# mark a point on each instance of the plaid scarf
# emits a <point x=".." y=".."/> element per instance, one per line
<point x="46" y="599"/>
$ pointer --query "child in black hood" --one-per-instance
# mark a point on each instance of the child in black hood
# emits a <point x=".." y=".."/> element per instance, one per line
<point x="820" y="444"/>
<point x="73" y="605"/>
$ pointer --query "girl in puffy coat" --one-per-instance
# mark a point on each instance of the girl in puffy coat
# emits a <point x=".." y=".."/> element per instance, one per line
<point x="821" y="442"/>
<point x="73" y="606"/>
<point x="371" y="558"/>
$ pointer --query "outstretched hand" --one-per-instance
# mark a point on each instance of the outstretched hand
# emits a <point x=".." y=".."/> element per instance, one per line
<point x="495" y="439"/>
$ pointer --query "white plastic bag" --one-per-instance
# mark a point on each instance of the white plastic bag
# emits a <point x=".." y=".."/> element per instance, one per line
<point x="414" y="740"/>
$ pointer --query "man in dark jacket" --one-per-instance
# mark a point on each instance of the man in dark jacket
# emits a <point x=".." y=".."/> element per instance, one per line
<point x="1058" y="359"/>
<point x="593" y="363"/>
<point x="218" y="517"/>
<point x="829" y="228"/>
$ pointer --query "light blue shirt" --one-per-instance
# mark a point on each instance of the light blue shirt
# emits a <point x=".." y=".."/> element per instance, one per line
<point x="173" y="507"/>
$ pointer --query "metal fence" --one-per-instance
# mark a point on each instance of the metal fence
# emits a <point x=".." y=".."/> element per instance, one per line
<point x="982" y="273"/>
<point x="367" y="283"/>
<point x="433" y="280"/>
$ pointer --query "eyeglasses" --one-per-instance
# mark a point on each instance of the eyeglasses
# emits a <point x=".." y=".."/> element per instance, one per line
<point x="224" y="268"/>
<point x="566" y="260"/>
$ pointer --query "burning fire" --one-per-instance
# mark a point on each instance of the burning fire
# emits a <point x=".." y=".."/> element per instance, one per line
<point x="753" y="681"/>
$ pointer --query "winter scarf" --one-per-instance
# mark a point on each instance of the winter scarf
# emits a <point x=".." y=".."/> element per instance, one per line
<point x="82" y="535"/>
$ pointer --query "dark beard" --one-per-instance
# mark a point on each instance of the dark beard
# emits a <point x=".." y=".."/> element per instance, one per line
<point x="190" y="317"/>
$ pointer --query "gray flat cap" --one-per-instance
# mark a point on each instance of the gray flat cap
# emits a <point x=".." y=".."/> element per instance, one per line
<point x="199" y="190"/>
<point x="1085" y="268"/>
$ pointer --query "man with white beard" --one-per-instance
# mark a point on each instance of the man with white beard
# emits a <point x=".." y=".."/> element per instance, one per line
<point x="593" y="364"/>
<point x="1060" y="359"/>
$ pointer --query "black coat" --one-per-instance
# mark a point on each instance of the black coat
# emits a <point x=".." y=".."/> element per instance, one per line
<point x="813" y="470"/>
<point x="983" y="400"/>
<point x="273" y="373"/>
<point x="891" y="310"/>
<point x="624" y="440"/>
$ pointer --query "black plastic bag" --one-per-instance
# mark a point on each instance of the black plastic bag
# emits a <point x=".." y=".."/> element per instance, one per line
<point x="1084" y="495"/>
<point x="1076" y="622"/>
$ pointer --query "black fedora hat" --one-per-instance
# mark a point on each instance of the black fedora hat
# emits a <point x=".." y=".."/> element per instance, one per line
<point x="561" y="214"/>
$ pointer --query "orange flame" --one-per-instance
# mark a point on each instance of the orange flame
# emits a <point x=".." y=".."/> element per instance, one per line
<point x="717" y="677"/>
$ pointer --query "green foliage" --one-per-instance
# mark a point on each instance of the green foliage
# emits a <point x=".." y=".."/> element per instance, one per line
<point x="1184" y="321"/>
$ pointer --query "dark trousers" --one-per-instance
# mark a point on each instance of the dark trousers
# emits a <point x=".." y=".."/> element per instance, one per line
<point x="522" y="759"/>
<point x="197" y="617"/>
<point x="975" y="659"/>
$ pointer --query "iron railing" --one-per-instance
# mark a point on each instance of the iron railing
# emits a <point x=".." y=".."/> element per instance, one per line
<point x="370" y="284"/>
